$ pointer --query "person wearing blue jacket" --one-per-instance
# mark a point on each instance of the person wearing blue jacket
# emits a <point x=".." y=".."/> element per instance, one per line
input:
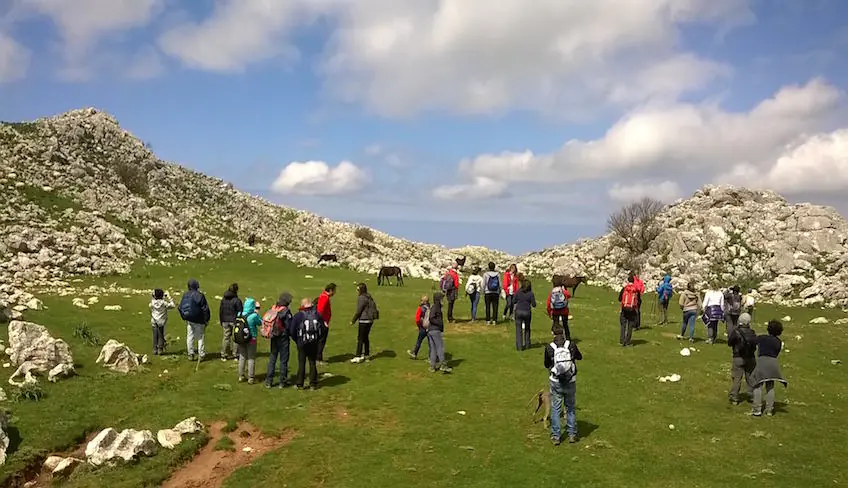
<point x="307" y="328"/>
<point x="664" y="293"/>
<point x="247" y="351"/>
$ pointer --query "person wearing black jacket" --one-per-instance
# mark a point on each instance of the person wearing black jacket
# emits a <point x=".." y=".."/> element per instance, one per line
<point x="524" y="302"/>
<point x="743" y="340"/>
<point x="562" y="353"/>
<point x="435" y="340"/>
<point x="366" y="314"/>
<point x="195" y="311"/>
<point x="306" y="351"/>
<point x="230" y="308"/>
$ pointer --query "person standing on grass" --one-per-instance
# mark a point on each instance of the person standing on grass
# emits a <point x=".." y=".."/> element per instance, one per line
<point x="366" y="314"/>
<point x="561" y="358"/>
<point x="474" y="288"/>
<point x="194" y="309"/>
<point x="307" y="327"/>
<point x="422" y="321"/>
<point x="732" y="307"/>
<point x="511" y="285"/>
<point x="159" y="306"/>
<point x="690" y="303"/>
<point x="743" y="341"/>
<point x="326" y="313"/>
<point x="767" y="370"/>
<point x="492" y="294"/>
<point x="435" y="337"/>
<point x="525" y="302"/>
<point x="640" y="287"/>
<point x="713" y="313"/>
<point x="630" y="300"/>
<point x="229" y="309"/>
<point x="450" y="287"/>
<point x="247" y="351"/>
<point x="664" y="293"/>
<point x="557" y="306"/>
<point x="279" y="340"/>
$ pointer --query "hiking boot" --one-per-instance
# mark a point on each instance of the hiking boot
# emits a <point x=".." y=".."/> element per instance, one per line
<point x="241" y="379"/>
<point x="411" y="355"/>
<point x="770" y="413"/>
<point x="357" y="360"/>
<point x="754" y="413"/>
<point x="431" y="369"/>
<point x="224" y="358"/>
<point x="572" y="439"/>
<point x="298" y="387"/>
<point x="250" y="381"/>
<point x="735" y="401"/>
<point x="268" y="385"/>
<point x="191" y="357"/>
<point x="691" y="340"/>
<point x="445" y="369"/>
<point x="556" y="441"/>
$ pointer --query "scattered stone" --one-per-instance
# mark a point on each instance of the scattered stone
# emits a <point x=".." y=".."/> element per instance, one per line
<point x="685" y="352"/>
<point x="35" y="304"/>
<point x="674" y="378"/>
<point x="189" y="426"/>
<point x="62" y="370"/>
<point x="671" y="426"/>
<point x="119" y="357"/>
<point x="169" y="438"/>
<point x="785" y="319"/>
<point x="820" y="320"/>
<point x="3" y="397"/>
<point x="113" y="308"/>
<point x="461" y="412"/>
<point x="308" y="277"/>
<point x="842" y="321"/>
<point x="79" y="303"/>
<point x="35" y="352"/>
<point x="835" y="362"/>
<point x="247" y="449"/>
<point x="110" y="446"/>
<point x="52" y="461"/>
<point x="93" y="300"/>
<point x="66" y="467"/>
<point x="4" y="437"/>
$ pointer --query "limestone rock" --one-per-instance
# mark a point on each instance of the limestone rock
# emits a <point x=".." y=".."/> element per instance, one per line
<point x="189" y="426"/>
<point x="66" y="467"/>
<point x="52" y="461"/>
<point x="4" y="437"/>
<point x="110" y="446"/>
<point x="35" y="351"/>
<point x="842" y="321"/>
<point x="820" y="320"/>
<point x="113" y="308"/>
<point x="169" y="438"/>
<point x="119" y="357"/>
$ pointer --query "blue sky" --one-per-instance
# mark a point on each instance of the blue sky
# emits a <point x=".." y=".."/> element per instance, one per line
<point x="469" y="122"/>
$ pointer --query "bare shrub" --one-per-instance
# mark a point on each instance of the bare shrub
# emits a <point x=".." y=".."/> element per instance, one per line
<point x="133" y="176"/>
<point x="635" y="226"/>
<point x="364" y="233"/>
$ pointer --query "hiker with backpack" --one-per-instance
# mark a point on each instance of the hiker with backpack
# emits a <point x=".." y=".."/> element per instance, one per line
<point x="474" y="288"/>
<point x="275" y="325"/>
<point x="525" y="302"/>
<point x="557" y="306"/>
<point x="664" y="293"/>
<point x="246" y="346"/>
<point x="560" y="361"/>
<point x="713" y="313"/>
<point x="768" y="369"/>
<point x="492" y="294"/>
<point x="306" y="328"/>
<point x="732" y="307"/>
<point x="366" y="314"/>
<point x="323" y="306"/>
<point x="230" y="308"/>
<point x="630" y="300"/>
<point x="160" y="303"/>
<point x="640" y="287"/>
<point x="743" y="341"/>
<point x="422" y="322"/>
<point x="690" y="303"/>
<point x="435" y="336"/>
<point x="194" y="309"/>
<point x="511" y="285"/>
<point x="449" y="285"/>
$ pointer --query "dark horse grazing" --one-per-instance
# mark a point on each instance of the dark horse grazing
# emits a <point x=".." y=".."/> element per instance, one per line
<point x="569" y="282"/>
<point x="330" y="258"/>
<point x="386" y="272"/>
<point x="251" y="240"/>
<point x="461" y="261"/>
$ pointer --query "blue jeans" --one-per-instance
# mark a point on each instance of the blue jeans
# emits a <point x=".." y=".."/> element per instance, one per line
<point x="422" y="335"/>
<point x="475" y="299"/>
<point x="689" y="321"/>
<point x="563" y="393"/>
<point x="279" y="348"/>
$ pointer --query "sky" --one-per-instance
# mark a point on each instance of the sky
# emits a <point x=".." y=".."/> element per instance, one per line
<point x="514" y="125"/>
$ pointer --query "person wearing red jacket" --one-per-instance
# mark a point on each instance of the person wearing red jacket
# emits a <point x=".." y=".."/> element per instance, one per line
<point x="640" y="287"/>
<point x="511" y="285"/>
<point x="420" y="315"/>
<point x="559" y="315"/>
<point x="326" y="313"/>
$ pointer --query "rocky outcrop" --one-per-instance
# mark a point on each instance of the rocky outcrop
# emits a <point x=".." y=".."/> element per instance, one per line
<point x="171" y="438"/>
<point x="111" y="446"/>
<point x="4" y="437"/>
<point x="119" y="357"/>
<point x="35" y="351"/>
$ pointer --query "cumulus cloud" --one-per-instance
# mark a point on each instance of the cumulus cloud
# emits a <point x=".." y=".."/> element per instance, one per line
<point x="666" y="191"/>
<point x="817" y="165"/>
<point x="680" y="136"/>
<point x="319" y="178"/>
<point x="14" y="59"/>
<point x="480" y="188"/>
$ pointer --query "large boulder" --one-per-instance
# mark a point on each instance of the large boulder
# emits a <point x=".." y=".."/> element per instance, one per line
<point x="35" y="351"/>
<point x="4" y="437"/>
<point x="119" y="357"/>
<point x="111" y="446"/>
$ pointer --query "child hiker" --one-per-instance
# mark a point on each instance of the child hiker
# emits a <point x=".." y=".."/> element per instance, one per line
<point x="159" y="306"/>
<point x="422" y="320"/>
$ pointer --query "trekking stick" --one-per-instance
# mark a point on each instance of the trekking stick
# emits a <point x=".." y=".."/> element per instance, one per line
<point x="198" y="364"/>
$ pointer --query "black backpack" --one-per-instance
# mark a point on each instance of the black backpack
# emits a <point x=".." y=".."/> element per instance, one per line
<point x="189" y="308"/>
<point x="310" y="330"/>
<point x="241" y="331"/>
<point x="734" y="303"/>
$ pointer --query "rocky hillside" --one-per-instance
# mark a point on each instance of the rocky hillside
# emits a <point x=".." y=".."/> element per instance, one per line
<point x="83" y="196"/>
<point x="791" y="254"/>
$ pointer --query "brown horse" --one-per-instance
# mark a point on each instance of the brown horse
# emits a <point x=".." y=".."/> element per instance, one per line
<point x="460" y="262"/>
<point x="386" y="272"/>
<point x="567" y="281"/>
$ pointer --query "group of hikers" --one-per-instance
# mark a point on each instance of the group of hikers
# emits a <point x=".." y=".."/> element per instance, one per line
<point x="754" y="357"/>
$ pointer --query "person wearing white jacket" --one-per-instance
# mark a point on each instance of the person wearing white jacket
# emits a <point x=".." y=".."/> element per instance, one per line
<point x="474" y="288"/>
<point x="713" y="313"/>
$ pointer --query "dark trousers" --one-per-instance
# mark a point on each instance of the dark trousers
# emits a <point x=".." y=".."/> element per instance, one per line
<point x="731" y="320"/>
<point x="628" y="321"/>
<point x="522" y="334"/>
<point x="741" y="368"/>
<point x="450" y="309"/>
<point x="363" y="341"/>
<point x="307" y="352"/>
<point x="158" y="338"/>
<point x="492" y="300"/>
<point x="663" y="312"/>
<point x="509" y="308"/>
<point x="322" y="343"/>
<point x="280" y="346"/>
<point x="561" y="319"/>
<point x="422" y="336"/>
<point x="637" y="324"/>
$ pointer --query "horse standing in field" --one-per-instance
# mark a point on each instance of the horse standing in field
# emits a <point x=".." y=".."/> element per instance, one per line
<point x="328" y="258"/>
<point x="571" y="282"/>
<point x="386" y="272"/>
<point x="251" y="240"/>
<point x="460" y="262"/>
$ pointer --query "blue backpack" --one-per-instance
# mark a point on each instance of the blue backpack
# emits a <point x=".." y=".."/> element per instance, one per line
<point x="494" y="283"/>
<point x="558" y="300"/>
<point x="189" y="308"/>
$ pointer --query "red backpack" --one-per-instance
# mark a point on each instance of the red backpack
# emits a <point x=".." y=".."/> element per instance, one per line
<point x="272" y="326"/>
<point x="630" y="298"/>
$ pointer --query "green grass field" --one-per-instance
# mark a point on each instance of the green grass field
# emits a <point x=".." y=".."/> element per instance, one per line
<point x="391" y="423"/>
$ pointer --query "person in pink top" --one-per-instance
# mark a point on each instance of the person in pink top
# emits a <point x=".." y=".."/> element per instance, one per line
<point x="510" y="284"/>
<point x="640" y="287"/>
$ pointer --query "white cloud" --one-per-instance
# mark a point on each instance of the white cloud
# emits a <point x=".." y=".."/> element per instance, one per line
<point x="666" y="191"/>
<point x="476" y="56"/>
<point x="319" y="178"/>
<point x="373" y="149"/>
<point x="480" y="188"/>
<point x="680" y="137"/>
<point x="236" y="34"/>
<point x="14" y="59"/>
<point x="145" y="65"/>
<point x="817" y="165"/>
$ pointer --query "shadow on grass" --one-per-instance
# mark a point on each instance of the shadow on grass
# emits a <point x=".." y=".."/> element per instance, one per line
<point x="585" y="428"/>
<point x="638" y="342"/>
<point x="340" y="358"/>
<point x="384" y="354"/>
<point x="14" y="436"/>
<point x="452" y="363"/>
<point x="335" y="380"/>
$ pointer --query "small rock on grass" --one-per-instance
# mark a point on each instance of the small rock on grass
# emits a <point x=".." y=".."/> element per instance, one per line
<point x="820" y="320"/>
